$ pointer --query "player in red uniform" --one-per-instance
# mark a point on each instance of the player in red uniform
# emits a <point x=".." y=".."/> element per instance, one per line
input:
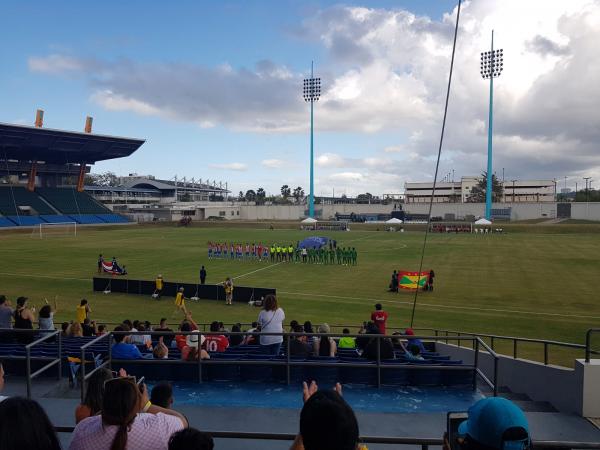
<point x="379" y="317"/>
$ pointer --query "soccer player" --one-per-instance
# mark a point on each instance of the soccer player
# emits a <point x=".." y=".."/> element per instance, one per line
<point x="272" y="253"/>
<point x="354" y="256"/>
<point x="247" y="251"/>
<point x="331" y="254"/>
<point x="291" y="253"/>
<point x="304" y="255"/>
<point x="210" y="250"/>
<point x="379" y="317"/>
<point x="338" y="254"/>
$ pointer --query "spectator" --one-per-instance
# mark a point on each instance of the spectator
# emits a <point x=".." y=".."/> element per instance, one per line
<point x="167" y="338"/>
<point x="298" y="345"/>
<point x="414" y="341"/>
<point x="64" y="329"/>
<point x="6" y="313"/>
<point x="293" y="325"/>
<point x="188" y="324"/>
<point x="271" y="320"/>
<point x="494" y="423"/>
<point x="189" y="439"/>
<point x="250" y="338"/>
<point x="83" y="311"/>
<point x="413" y="353"/>
<point x="162" y="395"/>
<point x="193" y="347"/>
<point x="2" y="398"/>
<point x="362" y="341"/>
<point x="326" y="421"/>
<point x="325" y="346"/>
<point x="88" y="328"/>
<point x="128" y="420"/>
<point x="75" y="330"/>
<point x="141" y="339"/>
<point x="308" y="329"/>
<point x="379" y="317"/>
<point x="236" y="339"/>
<point x="386" y="349"/>
<point x="216" y="342"/>
<point x="92" y="403"/>
<point x="161" y="351"/>
<point x="24" y="318"/>
<point x="394" y="282"/>
<point x="130" y="326"/>
<point x="46" y="316"/>
<point x="25" y="425"/>
<point x="346" y="341"/>
<point x="121" y="349"/>
<point x="147" y="325"/>
<point x="101" y="331"/>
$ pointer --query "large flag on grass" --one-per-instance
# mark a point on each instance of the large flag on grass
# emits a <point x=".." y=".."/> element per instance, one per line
<point x="412" y="280"/>
<point x="109" y="267"/>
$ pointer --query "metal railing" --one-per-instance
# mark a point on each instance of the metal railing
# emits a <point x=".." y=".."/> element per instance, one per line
<point x="288" y="362"/>
<point x="84" y="377"/>
<point x="442" y="335"/>
<point x="424" y="443"/>
<point x="588" y="343"/>
<point x="52" y="361"/>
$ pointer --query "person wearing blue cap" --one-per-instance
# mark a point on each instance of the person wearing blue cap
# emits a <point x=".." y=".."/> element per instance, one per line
<point x="493" y="423"/>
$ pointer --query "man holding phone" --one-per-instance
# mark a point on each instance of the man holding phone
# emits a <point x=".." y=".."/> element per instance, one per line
<point x="493" y="423"/>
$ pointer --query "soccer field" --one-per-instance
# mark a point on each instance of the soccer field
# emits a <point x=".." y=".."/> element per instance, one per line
<point x="535" y="283"/>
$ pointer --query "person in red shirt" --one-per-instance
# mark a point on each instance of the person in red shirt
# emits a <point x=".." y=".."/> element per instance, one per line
<point x="187" y="325"/>
<point x="379" y="317"/>
<point x="216" y="342"/>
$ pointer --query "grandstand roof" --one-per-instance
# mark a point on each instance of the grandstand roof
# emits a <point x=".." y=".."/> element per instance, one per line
<point x="26" y="143"/>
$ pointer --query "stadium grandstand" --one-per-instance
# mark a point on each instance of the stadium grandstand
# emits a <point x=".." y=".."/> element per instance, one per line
<point x="42" y="173"/>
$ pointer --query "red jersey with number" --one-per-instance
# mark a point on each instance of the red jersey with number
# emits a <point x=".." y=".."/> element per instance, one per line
<point x="379" y="318"/>
<point x="217" y="343"/>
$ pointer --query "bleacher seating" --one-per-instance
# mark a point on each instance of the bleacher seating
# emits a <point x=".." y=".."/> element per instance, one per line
<point x="70" y="201"/>
<point x="5" y="222"/>
<point x="19" y="196"/>
<point x="86" y="219"/>
<point x="56" y="218"/>
<point x="26" y="220"/>
<point x="112" y="218"/>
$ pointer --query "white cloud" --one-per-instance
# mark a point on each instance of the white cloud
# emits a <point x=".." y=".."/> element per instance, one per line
<point x="236" y="166"/>
<point x="346" y="176"/>
<point x="115" y="102"/>
<point x="56" y="64"/>
<point x="273" y="163"/>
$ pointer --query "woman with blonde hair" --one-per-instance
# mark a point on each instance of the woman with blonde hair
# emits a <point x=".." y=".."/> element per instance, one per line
<point x="271" y="320"/>
<point x="75" y="330"/>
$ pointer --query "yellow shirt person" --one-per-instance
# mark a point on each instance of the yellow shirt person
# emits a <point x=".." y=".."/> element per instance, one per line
<point x="180" y="299"/>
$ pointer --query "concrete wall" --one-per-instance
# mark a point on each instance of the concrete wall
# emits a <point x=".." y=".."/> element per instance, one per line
<point x="272" y="212"/>
<point x="519" y="211"/>
<point x="585" y="211"/>
<point x="561" y="387"/>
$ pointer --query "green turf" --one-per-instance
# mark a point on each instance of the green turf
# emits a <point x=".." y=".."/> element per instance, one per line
<point x="535" y="284"/>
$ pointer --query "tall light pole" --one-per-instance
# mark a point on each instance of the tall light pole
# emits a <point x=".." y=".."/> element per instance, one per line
<point x="491" y="67"/>
<point x="311" y="92"/>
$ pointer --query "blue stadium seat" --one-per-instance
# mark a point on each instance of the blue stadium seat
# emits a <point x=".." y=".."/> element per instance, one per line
<point x="112" y="218"/>
<point x="56" y="218"/>
<point x="25" y="221"/>
<point x="6" y="222"/>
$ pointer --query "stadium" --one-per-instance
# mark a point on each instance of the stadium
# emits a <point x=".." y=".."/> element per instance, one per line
<point x="148" y="312"/>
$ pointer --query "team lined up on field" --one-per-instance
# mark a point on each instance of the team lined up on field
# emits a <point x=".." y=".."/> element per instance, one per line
<point x="283" y="253"/>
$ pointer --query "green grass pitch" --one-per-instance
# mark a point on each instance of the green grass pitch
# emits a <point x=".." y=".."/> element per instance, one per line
<point x="539" y="283"/>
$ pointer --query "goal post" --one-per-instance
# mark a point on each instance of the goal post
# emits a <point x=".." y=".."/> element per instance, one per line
<point x="63" y="229"/>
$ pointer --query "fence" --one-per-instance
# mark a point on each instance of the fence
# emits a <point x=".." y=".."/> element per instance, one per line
<point x="424" y="443"/>
<point x="288" y="362"/>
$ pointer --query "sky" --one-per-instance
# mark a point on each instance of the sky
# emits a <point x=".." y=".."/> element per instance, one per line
<point x="215" y="87"/>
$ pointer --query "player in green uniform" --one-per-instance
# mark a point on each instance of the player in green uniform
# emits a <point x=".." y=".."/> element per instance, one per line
<point x="354" y="256"/>
<point x="338" y="253"/>
<point x="272" y="252"/>
<point x="291" y="253"/>
<point x="331" y="256"/>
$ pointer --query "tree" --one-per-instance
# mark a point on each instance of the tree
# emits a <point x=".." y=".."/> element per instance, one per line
<point x="250" y="195"/>
<point x="364" y="198"/>
<point x="101" y="179"/>
<point x="241" y="197"/>
<point x="478" y="191"/>
<point x="260" y="196"/>
<point x="285" y="191"/>
<point x="298" y="194"/>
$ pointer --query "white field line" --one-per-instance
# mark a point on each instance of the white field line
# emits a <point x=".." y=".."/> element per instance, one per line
<point x="270" y="266"/>
<point x="434" y="306"/>
<point x="391" y="302"/>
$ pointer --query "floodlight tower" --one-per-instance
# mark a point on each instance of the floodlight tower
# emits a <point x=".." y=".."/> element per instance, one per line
<point x="491" y="67"/>
<point x="311" y="92"/>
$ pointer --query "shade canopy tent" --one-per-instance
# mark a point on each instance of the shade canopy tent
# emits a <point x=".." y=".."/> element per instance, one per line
<point x="309" y="220"/>
<point x="314" y="242"/>
<point x="483" y="221"/>
<point x="393" y="220"/>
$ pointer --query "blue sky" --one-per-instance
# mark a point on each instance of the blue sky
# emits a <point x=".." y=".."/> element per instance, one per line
<point x="215" y="87"/>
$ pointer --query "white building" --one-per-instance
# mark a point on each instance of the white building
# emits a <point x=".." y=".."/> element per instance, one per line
<point x="459" y="191"/>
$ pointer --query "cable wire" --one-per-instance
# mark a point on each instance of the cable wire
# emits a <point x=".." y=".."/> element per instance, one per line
<point x="437" y="166"/>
